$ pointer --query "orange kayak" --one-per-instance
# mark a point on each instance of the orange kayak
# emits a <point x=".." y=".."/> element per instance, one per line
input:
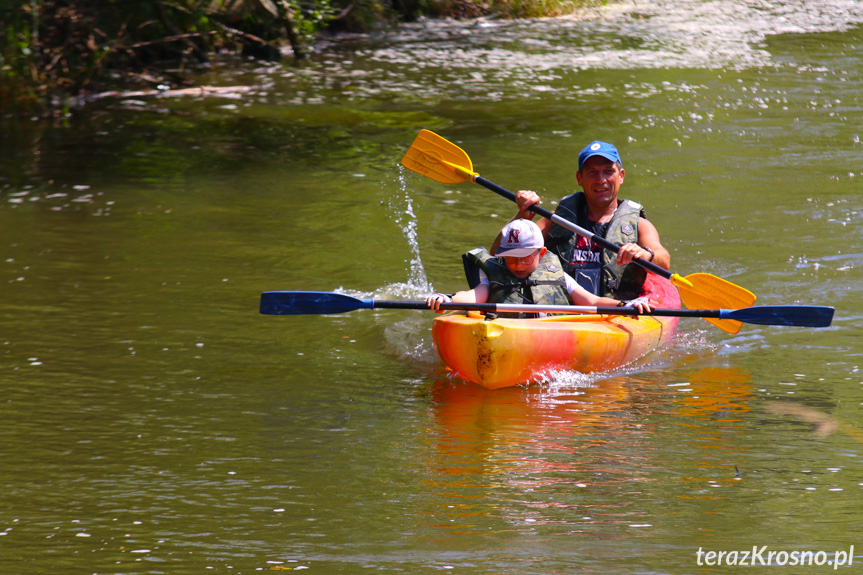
<point x="504" y="352"/>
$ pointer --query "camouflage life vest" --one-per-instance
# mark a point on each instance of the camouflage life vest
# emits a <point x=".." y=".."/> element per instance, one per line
<point x="546" y="285"/>
<point x="596" y="269"/>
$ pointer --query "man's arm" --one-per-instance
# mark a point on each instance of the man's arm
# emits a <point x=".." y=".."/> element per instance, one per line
<point x="581" y="296"/>
<point x="648" y="237"/>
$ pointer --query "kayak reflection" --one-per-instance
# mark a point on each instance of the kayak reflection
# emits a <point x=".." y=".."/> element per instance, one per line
<point x="520" y="457"/>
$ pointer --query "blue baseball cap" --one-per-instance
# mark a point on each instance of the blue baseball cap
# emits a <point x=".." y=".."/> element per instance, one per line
<point x="597" y="148"/>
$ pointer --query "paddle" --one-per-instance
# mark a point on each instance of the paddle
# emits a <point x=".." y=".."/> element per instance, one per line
<point x="439" y="159"/>
<point x="317" y="302"/>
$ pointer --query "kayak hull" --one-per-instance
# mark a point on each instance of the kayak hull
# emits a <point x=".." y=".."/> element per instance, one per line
<point x="505" y="352"/>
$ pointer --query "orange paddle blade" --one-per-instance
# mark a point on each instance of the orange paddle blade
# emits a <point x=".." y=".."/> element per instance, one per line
<point x="438" y="158"/>
<point x="712" y="292"/>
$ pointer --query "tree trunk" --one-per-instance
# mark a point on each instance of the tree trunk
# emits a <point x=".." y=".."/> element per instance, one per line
<point x="285" y="15"/>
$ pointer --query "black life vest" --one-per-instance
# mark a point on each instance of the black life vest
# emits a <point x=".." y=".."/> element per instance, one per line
<point x="593" y="267"/>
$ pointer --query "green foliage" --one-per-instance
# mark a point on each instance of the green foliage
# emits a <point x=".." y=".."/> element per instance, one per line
<point x="311" y="17"/>
<point x="535" y="8"/>
<point x="54" y="48"/>
<point x="365" y="15"/>
<point x="51" y="50"/>
<point x="17" y="55"/>
<point x="314" y="18"/>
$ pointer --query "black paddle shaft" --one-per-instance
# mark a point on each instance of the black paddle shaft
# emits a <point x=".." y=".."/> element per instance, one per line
<point x="537" y="209"/>
<point x="495" y="307"/>
<point x="788" y="315"/>
<point x="315" y="302"/>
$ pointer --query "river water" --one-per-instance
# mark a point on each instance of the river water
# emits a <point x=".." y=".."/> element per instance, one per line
<point x="154" y="422"/>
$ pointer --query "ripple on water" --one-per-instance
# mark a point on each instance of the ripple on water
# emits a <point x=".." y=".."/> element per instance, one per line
<point x="490" y="58"/>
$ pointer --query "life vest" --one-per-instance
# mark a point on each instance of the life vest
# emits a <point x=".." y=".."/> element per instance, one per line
<point x="546" y="285"/>
<point x="593" y="267"/>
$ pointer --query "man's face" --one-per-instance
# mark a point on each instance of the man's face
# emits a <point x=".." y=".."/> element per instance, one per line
<point x="600" y="178"/>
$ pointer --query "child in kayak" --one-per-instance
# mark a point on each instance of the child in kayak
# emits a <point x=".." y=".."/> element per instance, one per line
<point x="523" y="271"/>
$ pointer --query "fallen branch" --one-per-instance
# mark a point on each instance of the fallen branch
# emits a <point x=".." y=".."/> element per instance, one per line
<point x="165" y="40"/>
<point x="200" y="91"/>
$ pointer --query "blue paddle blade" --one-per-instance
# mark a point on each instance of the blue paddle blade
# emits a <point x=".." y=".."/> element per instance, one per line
<point x="310" y="302"/>
<point x="793" y="315"/>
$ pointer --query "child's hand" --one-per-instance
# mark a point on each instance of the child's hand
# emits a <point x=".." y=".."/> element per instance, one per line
<point x="642" y="304"/>
<point x="434" y="301"/>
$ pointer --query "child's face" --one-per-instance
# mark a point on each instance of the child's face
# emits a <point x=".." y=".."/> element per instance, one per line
<point x="523" y="267"/>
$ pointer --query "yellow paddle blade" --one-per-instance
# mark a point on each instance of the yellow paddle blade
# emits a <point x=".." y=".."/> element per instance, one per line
<point x="711" y="292"/>
<point x="438" y="158"/>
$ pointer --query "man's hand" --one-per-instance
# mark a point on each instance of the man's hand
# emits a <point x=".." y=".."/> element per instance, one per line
<point x="525" y="199"/>
<point x="629" y="252"/>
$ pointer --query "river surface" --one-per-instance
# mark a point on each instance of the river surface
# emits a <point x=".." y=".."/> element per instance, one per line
<point x="152" y="421"/>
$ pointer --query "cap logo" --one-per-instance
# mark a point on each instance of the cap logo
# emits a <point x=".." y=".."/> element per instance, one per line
<point x="513" y="237"/>
<point x="595" y="146"/>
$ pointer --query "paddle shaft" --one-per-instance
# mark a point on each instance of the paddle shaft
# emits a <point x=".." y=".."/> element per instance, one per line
<point x="788" y="315"/>
<point x="532" y="308"/>
<point x="812" y="316"/>
<point x="309" y="302"/>
<point x="519" y="308"/>
<point x="537" y="209"/>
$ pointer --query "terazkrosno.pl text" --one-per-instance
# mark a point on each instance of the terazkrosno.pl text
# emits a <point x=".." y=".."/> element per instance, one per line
<point x="761" y="556"/>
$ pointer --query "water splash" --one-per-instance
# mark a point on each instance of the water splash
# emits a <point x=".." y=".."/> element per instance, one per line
<point x="556" y="380"/>
<point x="562" y="380"/>
<point x="685" y="344"/>
<point x="411" y="338"/>
<point x="411" y="335"/>
<point x="401" y="206"/>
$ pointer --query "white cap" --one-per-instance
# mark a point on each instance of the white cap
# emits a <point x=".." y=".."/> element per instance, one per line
<point x="519" y="238"/>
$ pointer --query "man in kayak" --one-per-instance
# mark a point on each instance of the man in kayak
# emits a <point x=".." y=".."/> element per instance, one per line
<point x="525" y="272"/>
<point x="598" y="209"/>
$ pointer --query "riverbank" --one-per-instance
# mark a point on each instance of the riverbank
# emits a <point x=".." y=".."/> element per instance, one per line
<point x="55" y="54"/>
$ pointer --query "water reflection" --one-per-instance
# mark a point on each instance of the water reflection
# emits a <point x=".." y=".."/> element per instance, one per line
<point x="717" y="393"/>
<point x="579" y="455"/>
<point x="476" y="426"/>
<point x="520" y="454"/>
<point x="710" y="405"/>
